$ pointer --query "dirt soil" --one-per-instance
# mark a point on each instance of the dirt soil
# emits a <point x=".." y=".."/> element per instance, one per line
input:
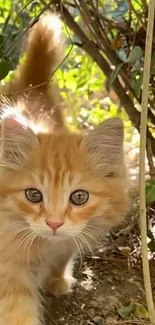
<point x="109" y="279"/>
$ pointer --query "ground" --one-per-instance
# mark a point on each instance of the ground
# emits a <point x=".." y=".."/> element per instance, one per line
<point x="109" y="279"/>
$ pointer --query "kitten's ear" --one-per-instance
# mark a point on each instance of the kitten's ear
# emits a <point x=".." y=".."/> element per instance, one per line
<point x="105" y="146"/>
<point x="17" y="142"/>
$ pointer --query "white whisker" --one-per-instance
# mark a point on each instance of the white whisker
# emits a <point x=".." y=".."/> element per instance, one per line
<point x="23" y="239"/>
<point x="84" y="241"/>
<point x="30" y="246"/>
<point x="79" y="249"/>
<point x="90" y="236"/>
<point x="93" y="227"/>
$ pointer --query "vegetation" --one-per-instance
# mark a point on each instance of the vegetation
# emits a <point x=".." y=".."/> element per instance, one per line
<point x="101" y="74"/>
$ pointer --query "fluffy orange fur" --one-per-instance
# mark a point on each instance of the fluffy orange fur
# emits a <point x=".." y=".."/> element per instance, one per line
<point x="34" y="255"/>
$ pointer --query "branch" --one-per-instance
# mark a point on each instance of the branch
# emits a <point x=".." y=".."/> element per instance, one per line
<point x="99" y="35"/>
<point x="91" y="48"/>
<point x="144" y="111"/>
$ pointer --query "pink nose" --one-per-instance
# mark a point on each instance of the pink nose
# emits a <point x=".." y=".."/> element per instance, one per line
<point x="54" y="225"/>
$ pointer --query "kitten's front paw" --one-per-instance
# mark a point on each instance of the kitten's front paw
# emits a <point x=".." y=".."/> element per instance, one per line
<point x="59" y="286"/>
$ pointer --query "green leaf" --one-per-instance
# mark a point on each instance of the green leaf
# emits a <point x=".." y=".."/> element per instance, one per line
<point x="150" y="191"/>
<point x="135" y="309"/>
<point x="126" y="312"/>
<point x="137" y="84"/>
<point x="140" y="311"/>
<point x="137" y="66"/>
<point x="135" y="54"/>
<point x="113" y="76"/>
<point x="5" y="67"/>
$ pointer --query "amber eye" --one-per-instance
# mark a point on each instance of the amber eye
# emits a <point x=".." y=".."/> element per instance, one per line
<point x="79" y="197"/>
<point x="33" y="195"/>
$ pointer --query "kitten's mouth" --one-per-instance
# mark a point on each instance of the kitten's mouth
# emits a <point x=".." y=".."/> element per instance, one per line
<point x="54" y="235"/>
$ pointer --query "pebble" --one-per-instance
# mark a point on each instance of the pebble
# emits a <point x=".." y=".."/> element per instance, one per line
<point x="97" y="320"/>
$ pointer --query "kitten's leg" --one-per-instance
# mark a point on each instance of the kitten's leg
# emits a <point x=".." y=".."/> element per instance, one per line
<point x="17" y="305"/>
<point x="60" y="280"/>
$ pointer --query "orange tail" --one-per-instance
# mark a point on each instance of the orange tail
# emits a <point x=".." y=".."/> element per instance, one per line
<point x="43" y="51"/>
<point x="43" y="54"/>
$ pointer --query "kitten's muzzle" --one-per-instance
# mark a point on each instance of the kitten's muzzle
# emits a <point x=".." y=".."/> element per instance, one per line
<point x="54" y="225"/>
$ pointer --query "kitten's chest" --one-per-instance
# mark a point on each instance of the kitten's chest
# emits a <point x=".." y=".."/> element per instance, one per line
<point x="41" y="269"/>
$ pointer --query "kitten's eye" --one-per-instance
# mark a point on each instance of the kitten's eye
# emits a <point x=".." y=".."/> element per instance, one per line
<point x="79" y="197"/>
<point x="33" y="195"/>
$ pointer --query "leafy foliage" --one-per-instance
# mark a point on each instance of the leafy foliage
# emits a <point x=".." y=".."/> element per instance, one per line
<point x="134" y="309"/>
<point x="133" y="59"/>
<point x="81" y="81"/>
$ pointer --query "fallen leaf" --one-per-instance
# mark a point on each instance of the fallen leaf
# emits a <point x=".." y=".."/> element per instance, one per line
<point x="125" y="250"/>
<point x="126" y="312"/>
<point x="140" y="311"/>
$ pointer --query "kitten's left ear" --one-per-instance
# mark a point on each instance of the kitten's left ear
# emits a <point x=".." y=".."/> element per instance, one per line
<point x="105" y="145"/>
<point x="17" y="142"/>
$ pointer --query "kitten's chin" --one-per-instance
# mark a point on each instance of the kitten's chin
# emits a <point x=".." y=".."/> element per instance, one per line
<point x="54" y="237"/>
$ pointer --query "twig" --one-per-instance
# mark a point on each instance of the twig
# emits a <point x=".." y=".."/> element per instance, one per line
<point x="143" y="223"/>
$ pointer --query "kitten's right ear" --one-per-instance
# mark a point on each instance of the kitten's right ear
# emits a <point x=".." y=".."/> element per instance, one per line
<point x="105" y="146"/>
<point x="17" y="142"/>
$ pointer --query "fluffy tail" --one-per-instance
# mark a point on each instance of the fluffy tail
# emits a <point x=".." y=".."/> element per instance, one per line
<point x="43" y="53"/>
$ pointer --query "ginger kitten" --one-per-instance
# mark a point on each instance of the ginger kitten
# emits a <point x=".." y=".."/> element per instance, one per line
<point x="59" y="191"/>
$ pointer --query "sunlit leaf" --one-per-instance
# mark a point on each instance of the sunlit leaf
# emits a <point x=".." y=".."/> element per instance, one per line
<point x="140" y="311"/>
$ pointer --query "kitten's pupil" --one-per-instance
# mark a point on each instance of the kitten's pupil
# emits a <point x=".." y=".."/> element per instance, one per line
<point x="79" y="197"/>
<point x="33" y="195"/>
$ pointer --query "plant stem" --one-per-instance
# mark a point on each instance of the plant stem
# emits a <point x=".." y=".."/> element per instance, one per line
<point x="143" y="222"/>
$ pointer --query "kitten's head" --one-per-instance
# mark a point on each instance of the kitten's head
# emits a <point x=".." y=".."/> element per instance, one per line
<point x="62" y="185"/>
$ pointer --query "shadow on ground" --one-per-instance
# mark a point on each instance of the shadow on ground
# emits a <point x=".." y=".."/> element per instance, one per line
<point x="109" y="279"/>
